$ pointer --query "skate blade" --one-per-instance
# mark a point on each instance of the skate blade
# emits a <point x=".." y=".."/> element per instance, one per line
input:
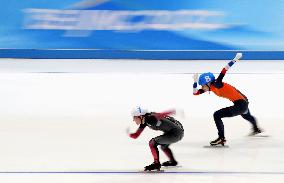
<point x="152" y="171"/>
<point x="171" y="167"/>
<point x="216" y="146"/>
<point x="259" y="136"/>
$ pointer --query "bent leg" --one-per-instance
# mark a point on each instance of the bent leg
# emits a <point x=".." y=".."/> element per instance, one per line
<point x="218" y="115"/>
<point x="236" y="109"/>
<point x="247" y="116"/>
<point x="154" y="150"/>
<point x="168" y="138"/>
<point x="168" y="152"/>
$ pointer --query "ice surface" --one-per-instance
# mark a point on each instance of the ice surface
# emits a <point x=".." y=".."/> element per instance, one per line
<point x="66" y="120"/>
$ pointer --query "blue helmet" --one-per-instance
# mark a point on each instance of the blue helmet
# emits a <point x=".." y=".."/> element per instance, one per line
<point x="206" y="78"/>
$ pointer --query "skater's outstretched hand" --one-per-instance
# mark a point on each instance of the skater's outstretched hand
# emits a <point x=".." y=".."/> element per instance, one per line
<point x="133" y="135"/>
<point x="180" y="113"/>
<point x="238" y="57"/>
<point x="195" y="77"/>
<point x="136" y="134"/>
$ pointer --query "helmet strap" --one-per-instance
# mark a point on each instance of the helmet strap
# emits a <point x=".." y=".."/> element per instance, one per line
<point x="208" y="87"/>
<point x="142" y="119"/>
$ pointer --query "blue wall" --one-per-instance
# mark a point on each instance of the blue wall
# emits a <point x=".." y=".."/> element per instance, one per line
<point x="37" y="27"/>
<point x="148" y="55"/>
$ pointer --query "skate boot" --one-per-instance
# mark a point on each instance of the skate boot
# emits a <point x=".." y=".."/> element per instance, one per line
<point x="153" y="166"/>
<point x="170" y="163"/>
<point x="218" y="141"/>
<point x="255" y="132"/>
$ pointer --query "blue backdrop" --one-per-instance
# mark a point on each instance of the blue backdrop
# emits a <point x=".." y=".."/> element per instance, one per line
<point x="249" y="25"/>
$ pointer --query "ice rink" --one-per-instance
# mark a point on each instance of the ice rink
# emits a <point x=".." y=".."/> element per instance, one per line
<point x="65" y="121"/>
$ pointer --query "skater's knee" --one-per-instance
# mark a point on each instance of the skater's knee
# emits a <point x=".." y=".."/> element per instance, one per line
<point x="153" y="143"/>
<point x="245" y="116"/>
<point x="163" y="147"/>
<point x="249" y="118"/>
<point x="217" y="115"/>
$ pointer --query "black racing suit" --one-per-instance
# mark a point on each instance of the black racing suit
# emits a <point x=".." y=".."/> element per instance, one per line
<point x="173" y="132"/>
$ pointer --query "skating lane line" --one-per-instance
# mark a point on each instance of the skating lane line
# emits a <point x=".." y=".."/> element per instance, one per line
<point x="138" y="172"/>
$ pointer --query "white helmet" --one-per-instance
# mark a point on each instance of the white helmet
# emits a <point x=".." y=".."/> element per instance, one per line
<point x="138" y="111"/>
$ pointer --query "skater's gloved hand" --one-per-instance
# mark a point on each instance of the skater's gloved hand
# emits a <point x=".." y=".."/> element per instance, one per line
<point x="133" y="135"/>
<point x="238" y="57"/>
<point x="195" y="77"/>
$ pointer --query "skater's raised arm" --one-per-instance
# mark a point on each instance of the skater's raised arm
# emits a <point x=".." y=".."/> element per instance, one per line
<point x="227" y="67"/>
<point x="196" y="91"/>
<point x="163" y="114"/>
